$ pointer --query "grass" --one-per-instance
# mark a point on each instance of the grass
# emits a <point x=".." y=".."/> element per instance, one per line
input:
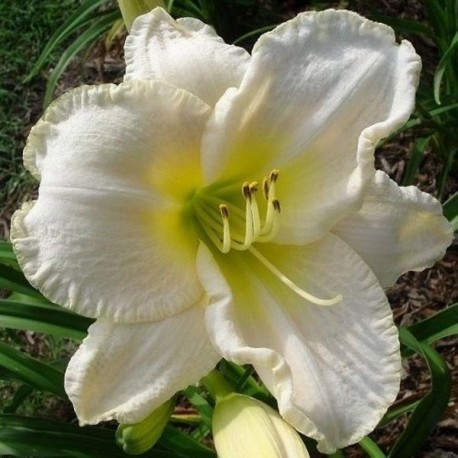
<point x="48" y="349"/>
<point x="26" y="27"/>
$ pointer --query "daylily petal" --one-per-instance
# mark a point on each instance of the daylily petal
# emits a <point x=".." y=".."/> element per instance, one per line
<point x="140" y="138"/>
<point x="397" y="229"/>
<point x="125" y="371"/>
<point x="320" y="92"/>
<point x="104" y="236"/>
<point x="186" y="53"/>
<point x="333" y="370"/>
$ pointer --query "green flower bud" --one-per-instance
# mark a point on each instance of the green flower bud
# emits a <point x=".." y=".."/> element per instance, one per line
<point x="137" y="438"/>
<point x="130" y="9"/>
<point x="244" y="426"/>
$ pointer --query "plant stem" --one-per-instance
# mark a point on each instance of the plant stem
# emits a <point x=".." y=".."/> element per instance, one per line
<point x="217" y="385"/>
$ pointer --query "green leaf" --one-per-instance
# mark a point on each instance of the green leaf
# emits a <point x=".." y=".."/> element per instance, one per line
<point x="451" y="210"/>
<point x="418" y="121"/>
<point x="254" y="33"/>
<point x="404" y="25"/>
<point x="39" y="437"/>
<point x="47" y="319"/>
<point x="396" y="411"/>
<point x="7" y="255"/>
<point x="441" y="66"/>
<point x="13" y="279"/>
<point x="182" y="444"/>
<point x="37" y="301"/>
<point x="26" y="436"/>
<point x="19" y="397"/>
<point x="70" y="26"/>
<point x="241" y="378"/>
<point x="371" y="448"/>
<point x="83" y="41"/>
<point x="440" y="325"/>
<point x="444" y="109"/>
<point x="200" y="403"/>
<point x="336" y="454"/>
<point x="431" y="408"/>
<point x="416" y="155"/>
<point x="436" y="16"/>
<point x="188" y="8"/>
<point x="28" y="370"/>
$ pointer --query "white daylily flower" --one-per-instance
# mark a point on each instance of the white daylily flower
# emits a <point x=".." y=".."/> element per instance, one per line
<point x="159" y="215"/>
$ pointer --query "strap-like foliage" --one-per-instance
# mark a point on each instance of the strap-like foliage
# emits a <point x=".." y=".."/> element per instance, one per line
<point x="431" y="408"/>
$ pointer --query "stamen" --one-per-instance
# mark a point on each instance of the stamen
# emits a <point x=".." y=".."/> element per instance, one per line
<point x="291" y="285"/>
<point x="226" y="228"/>
<point x="213" y="201"/>
<point x="269" y="221"/>
<point x="248" y="216"/>
<point x="274" y="175"/>
<point x="272" y="222"/>
<point x="209" y="225"/>
<point x="246" y="191"/>
<point x="224" y="211"/>
<point x="255" y="210"/>
<point x="244" y="227"/>
<point x="276" y="205"/>
<point x="273" y="180"/>
<point x="265" y="188"/>
<point x="254" y="187"/>
<point x="270" y="226"/>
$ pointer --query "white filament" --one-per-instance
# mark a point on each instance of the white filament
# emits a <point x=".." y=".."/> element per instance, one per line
<point x="248" y="228"/>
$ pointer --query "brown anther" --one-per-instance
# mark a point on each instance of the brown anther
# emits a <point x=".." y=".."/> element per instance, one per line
<point x="246" y="191"/>
<point x="274" y="175"/>
<point x="276" y="204"/>
<point x="254" y="187"/>
<point x="224" y="211"/>
<point x="265" y="188"/>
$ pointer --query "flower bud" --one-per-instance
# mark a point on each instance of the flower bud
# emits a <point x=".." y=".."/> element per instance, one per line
<point x="137" y="438"/>
<point x="244" y="426"/>
<point x="130" y="9"/>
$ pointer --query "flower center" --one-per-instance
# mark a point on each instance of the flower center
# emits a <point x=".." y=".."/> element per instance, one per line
<point x="229" y="227"/>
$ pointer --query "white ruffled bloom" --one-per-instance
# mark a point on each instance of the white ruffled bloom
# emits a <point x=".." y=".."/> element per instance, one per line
<point x="159" y="215"/>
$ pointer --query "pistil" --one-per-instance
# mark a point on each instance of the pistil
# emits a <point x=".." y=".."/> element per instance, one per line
<point x="291" y="285"/>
